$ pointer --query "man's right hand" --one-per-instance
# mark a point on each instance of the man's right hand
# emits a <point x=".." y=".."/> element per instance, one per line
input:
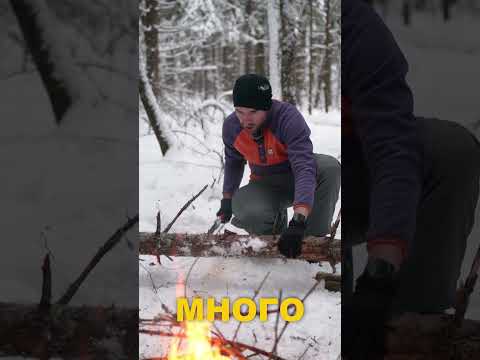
<point x="225" y="212"/>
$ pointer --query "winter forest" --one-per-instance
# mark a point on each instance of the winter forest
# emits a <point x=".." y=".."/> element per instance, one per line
<point x="444" y="9"/>
<point x="191" y="52"/>
<point x="194" y="50"/>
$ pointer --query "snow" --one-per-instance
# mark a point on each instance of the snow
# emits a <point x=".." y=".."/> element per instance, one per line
<point x="234" y="278"/>
<point x="61" y="185"/>
<point x="166" y="184"/>
<point x="41" y="195"/>
<point x="58" y="49"/>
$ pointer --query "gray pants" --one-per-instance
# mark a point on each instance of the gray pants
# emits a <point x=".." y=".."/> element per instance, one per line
<point x="261" y="206"/>
<point x="445" y="218"/>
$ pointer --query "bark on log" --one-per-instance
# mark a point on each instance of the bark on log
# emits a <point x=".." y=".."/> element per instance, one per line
<point x="422" y="337"/>
<point x="333" y="282"/>
<point x="233" y="245"/>
<point x="68" y="332"/>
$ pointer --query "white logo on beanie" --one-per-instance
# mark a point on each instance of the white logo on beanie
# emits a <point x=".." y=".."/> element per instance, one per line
<point x="263" y="87"/>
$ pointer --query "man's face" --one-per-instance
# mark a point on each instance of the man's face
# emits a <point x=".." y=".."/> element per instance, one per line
<point x="250" y="119"/>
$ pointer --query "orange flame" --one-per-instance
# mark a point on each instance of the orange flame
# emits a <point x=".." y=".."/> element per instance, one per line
<point x="198" y="345"/>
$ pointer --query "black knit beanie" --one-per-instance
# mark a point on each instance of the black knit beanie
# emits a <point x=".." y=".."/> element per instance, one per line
<point x="252" y="91"/>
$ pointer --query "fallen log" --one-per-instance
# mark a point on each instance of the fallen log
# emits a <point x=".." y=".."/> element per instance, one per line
<point x="68" y="332"/>
<point x="422" y="337"/>
<point x="234" y="245"/>
<point x="333" y="282"/>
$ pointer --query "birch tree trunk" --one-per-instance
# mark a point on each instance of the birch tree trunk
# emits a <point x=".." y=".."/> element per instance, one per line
<point x="309" y="56"/>
<point x="327" y="63"/>
<point x="275" y="70"/>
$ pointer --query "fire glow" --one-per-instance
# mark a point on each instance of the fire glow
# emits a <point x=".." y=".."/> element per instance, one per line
<point x="196" y="344"/>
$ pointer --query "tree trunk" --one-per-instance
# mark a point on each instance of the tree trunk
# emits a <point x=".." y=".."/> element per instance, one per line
<point x="446" y="9"/>
<point x="68" y="332"/>
<point x="327" y="63"/>
<point x="288" y="46"/>
<point x="34" y="35"/>
<point x="274" y="57"/>
<point x="233" y="245"/>
<point x="259" y="59"/>
<point x="406" y="12"/>
<point x="151" y="20"/>
<point x="310" y="57"/>
<point x="150" y="104"/>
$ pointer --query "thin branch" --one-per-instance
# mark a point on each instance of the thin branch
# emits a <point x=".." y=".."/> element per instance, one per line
<point x="183" y="209"/>
<point x="188" y="276"/>
<point x="154" y="287"/>
<point x="254" y="296"/>
<point x="274" y="349"/>
<point x="215" y="341"/>
<point x="109" y="244"/>
<point x="305" y="352"/>
<point x="303" y="300"/>
<point x="158" y="229"/>
<point x="46" y="298"/>
<point x="333" y="233"/>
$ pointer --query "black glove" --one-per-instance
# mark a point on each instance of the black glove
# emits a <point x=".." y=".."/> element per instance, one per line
<point x="225" y="211"/>
<point x="365" y="315"/>
<point x="290" y="243"/>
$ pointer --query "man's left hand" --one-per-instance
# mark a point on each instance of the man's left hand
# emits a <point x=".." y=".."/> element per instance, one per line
<point x="365" y="316"/>
<point x="290" y="243"/>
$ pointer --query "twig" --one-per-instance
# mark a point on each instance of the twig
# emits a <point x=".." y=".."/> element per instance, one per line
<point x="155" y="289"/>
<point x="303" y="300"/>
<point x="304" y="353"/>
<point x="254" y="296"/>
<point x="188" y="276"/>
<point x="46" y="298"/>
<point x="334" y="229"/>
<point x="333" y="232"/>
<point x="109" y="244"/>
<point x="183" y="209"/>
<point x="252" y="348"/>
<point x="157" y="231"/>
<point x="274" y="350"/>
<point x="216" y="341"/>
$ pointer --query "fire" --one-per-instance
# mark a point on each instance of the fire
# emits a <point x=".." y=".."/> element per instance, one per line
<point x="196" y="344"/>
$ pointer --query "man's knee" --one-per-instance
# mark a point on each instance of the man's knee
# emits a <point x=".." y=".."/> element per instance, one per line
<point x="245" y="206"/>
<point x="328" y="169"/>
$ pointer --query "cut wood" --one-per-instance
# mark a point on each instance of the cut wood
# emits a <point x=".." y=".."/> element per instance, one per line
<point x="233" y="245"/>
<point x="68" y="332"/>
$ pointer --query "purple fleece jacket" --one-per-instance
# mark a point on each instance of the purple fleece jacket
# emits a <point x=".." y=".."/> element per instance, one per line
<point x="286" y="148"/>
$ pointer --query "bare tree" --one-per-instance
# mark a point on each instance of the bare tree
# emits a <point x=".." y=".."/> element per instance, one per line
<point x="150" y="103"/>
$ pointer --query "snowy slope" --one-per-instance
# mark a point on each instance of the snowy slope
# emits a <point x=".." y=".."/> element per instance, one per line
<point x="166" y="184"/>
<point x="42" y="166"/>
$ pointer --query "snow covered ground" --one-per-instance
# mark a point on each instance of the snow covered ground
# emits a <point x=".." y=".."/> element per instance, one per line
<point x="166" y="184"/>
